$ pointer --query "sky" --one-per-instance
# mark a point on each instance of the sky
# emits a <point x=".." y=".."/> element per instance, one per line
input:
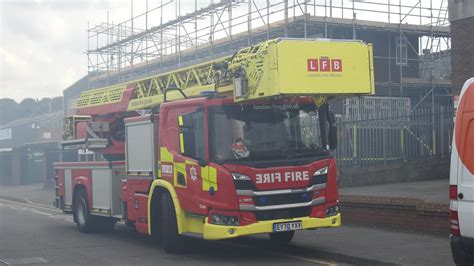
<point x="43" y="43"/>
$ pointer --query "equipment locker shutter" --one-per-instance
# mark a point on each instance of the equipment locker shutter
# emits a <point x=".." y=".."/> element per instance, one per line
<point x="140" y="146"/>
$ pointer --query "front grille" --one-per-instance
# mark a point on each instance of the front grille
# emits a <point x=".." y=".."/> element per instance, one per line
<point x="319" y="179"/>
<point x="279" y="199"/>
<point x="283" y="213"/>
<point x="244" y="185"/>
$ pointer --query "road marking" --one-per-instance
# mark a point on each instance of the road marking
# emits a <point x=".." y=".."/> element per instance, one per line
<point x="33" y="208"/>
<point x="64" y="217"/>
<point x="28" y="201"/>
<point x="32" y="205"/>
<point x="305" y="259"/>
<point x="22" y="261"/>
<point x="38" y="204"/>
<point x="284" y="255"/>
<point x="49" y="214"/>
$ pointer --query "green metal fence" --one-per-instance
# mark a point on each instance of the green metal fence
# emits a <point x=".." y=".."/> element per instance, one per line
<point x="424" y="133"/>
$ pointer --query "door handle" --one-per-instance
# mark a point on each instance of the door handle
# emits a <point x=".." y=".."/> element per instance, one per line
<point x="460" y="196"/>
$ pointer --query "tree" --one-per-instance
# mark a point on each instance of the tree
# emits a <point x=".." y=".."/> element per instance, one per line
<point x="28" y="107"/>
<point x="8" y="110"/>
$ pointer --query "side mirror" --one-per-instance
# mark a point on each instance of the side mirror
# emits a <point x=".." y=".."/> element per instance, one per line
<point x="332" y="130"/>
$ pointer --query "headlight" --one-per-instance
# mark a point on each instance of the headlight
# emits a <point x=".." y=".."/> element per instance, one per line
<point x="331" y="211"/>
<point x="224" y="220"/>
<point x="237" y="176"/>
<point x="321" y="171"/>
<point x="216" y="219"/>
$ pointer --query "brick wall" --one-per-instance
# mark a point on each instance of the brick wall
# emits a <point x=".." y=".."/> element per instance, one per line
<point x="396" y="213"/>
<point x="462" y="52"/>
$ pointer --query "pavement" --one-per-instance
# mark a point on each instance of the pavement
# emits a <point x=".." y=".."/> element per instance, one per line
<point x="432" y="191"/>
<point x="32" y="231"/>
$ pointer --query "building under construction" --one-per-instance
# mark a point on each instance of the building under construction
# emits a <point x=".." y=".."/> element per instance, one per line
<point x="411" y="39"/>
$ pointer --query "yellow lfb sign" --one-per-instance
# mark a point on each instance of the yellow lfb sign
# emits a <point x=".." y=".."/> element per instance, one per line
<point x="312" y="68"/>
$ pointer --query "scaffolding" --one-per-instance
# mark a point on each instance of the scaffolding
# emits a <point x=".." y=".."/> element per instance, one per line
<point x="178" y="33"/>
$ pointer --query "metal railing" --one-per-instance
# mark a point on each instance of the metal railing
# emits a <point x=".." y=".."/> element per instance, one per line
<point x="425" y="133"/>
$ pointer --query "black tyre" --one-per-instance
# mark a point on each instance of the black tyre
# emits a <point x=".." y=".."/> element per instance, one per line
<point x="464" y="261"/>
<point x="84" y="220"/>
<point x="282" y="237"/>
<point x="170" y="238"/>
<point x="156" y="225"/>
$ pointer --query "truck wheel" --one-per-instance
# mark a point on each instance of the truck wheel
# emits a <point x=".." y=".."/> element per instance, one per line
<point x="155" y="215"/>
<point x="170" y="238"/>
<point x="84" y="220"/>
<point x="282" y="237"/>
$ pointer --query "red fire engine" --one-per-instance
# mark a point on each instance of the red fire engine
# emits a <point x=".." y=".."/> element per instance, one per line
<point x="237" y="146"/>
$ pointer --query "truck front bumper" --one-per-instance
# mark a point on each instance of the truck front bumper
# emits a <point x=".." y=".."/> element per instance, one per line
<point x="215" y="232"/>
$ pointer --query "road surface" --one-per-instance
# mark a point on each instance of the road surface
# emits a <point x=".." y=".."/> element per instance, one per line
<point x="32" y="233"/>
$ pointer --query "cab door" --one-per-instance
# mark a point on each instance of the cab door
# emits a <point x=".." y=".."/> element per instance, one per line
<point x="465" y="146"/>
<point x="190" y="164"/>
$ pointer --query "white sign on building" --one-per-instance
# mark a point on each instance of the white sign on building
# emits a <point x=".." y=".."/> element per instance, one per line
<point x="5" y="134"/>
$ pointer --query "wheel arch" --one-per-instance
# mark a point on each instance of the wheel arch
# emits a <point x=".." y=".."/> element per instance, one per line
<point x="75" y="191"/>
<point x="83" y="181"/>
<point x="157" y="188"/>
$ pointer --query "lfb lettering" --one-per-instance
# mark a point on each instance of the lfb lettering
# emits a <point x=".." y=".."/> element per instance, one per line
<point x="313" y="65"/>
<point x="336" y="65"/>
<point x="324" y="65"/>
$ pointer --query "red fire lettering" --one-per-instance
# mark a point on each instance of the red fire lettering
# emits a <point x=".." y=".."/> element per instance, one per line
<point x="313" y="65"/>
<point x="336" y="65"/>
<point x="324" y="65"/>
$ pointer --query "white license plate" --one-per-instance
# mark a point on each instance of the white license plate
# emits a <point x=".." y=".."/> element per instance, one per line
<point x="287" y="226"/>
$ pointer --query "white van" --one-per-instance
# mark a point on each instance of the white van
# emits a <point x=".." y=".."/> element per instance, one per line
<point x="461" y="181"/>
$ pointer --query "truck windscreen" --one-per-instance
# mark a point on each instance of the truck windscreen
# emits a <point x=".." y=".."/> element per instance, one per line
<point x="264" y="131"/>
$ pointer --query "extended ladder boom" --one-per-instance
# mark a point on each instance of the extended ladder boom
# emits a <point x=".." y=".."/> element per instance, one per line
<point x="279" y="67"/>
